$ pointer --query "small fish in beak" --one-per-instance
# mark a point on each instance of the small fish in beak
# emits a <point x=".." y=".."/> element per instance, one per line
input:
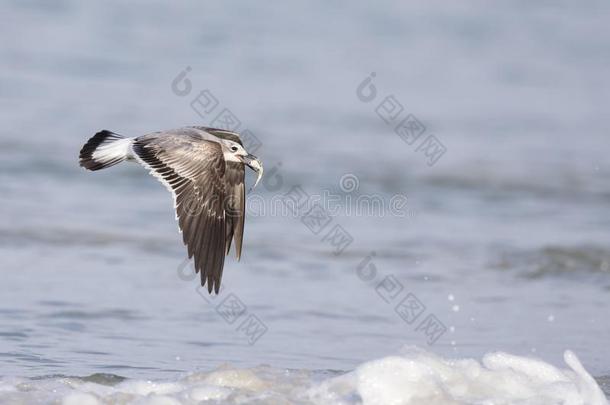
<point x="255" y="164"/>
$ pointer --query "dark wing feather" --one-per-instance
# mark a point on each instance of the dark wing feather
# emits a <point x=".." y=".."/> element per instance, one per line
<point x="236" y="206"/>
<point x="193" y="170"/>
<point x="222" y="133"/>
<point x="235" y="191"/>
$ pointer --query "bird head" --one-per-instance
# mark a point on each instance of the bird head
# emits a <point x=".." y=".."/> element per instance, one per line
<point x="236" y="153"/>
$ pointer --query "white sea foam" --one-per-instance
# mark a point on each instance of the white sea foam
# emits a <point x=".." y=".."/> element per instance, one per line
<point x="414" y="377"/>
<point x="419" y="377"/>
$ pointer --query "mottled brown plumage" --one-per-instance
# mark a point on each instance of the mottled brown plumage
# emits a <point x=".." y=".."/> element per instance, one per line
<point x="197" y="166"/>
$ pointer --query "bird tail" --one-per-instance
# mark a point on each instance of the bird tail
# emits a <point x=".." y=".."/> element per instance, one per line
<point x="103" y="150"/>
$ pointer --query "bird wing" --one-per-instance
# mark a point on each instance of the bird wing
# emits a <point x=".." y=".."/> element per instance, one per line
<point x="236" y="205"/>
<point x="235" y="191"/>
<point x="222" y="133"/>
<point x="193" y="169"/>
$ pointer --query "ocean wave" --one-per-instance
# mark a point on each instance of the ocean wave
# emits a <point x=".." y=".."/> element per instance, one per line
<point x="413" y="377"/>
<point x="556" y="261"/>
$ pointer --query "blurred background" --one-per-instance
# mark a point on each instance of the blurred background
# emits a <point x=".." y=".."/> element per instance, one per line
<point x="505" y="237"/>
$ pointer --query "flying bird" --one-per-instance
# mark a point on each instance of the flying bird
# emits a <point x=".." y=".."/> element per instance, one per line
<point x="204" y="169"/>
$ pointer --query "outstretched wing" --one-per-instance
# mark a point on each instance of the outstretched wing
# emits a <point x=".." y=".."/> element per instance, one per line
<point x="193" y="169"/>
<point x="222" y="133"/>
<point x="235" y="191"/>
<point x="236" y="205"/>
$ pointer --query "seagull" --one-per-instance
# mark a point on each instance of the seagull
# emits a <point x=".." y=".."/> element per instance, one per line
<point x="203" y="168"/>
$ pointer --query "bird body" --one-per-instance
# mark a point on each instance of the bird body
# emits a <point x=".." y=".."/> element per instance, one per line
<point x="204" y="169"/>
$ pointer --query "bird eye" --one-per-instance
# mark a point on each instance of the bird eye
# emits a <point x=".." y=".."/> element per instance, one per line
<point x="234" y="148"/>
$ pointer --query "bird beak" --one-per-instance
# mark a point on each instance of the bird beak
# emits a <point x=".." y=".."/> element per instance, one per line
<point x="255" y="164"/>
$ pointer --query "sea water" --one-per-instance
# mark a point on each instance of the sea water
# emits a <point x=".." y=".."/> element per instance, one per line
<point x="493" y="259"/>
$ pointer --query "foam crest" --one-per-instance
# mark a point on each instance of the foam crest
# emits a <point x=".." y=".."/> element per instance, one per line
<point x="412" y="378"/>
